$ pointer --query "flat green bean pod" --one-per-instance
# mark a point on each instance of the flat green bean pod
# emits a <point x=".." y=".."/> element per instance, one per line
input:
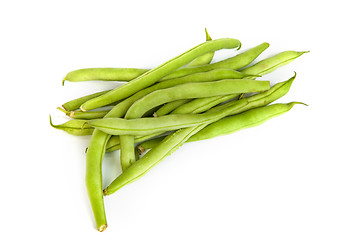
<point x="152" y="76"/>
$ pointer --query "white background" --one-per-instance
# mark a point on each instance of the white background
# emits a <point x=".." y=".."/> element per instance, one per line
<point x="294" y="177"/>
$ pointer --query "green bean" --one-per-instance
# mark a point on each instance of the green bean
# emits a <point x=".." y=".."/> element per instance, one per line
<point x="144" y="126"/>
<point x="84" y="115"/>
<point x="108" y="74"/>
<point x="75" y="127"/>
<point x="204" y="59"/>
<point x="157" y="73"/>
<point x="165" y="148"/>
<point x="195" y="90"/>
<point x="270" y="64"/>
<point x="76" y="103"/>
<point x="250" y="118"/>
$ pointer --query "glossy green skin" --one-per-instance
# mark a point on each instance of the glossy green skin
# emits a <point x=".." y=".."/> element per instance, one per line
<point x="164" y="149"/>
<point x="144" y="126"/>
<point x="270" y="64"/>
<point x="152" y="76"/>
<point x="75" y="127"/>
<point x="251" y="118"/>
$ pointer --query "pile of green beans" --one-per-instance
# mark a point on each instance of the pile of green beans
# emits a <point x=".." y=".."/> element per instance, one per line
<point x="155" y="111"/>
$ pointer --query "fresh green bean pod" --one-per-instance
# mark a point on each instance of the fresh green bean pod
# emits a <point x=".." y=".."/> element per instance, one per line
<point x="250" y="118"/>
<point x="152" y="76"/>
<point x="75" y="127"/>
<point x="195" y="90"/>
<point x="270" y="64"/>
<point x="108" y="74"/>
<point x="144" y="126"/>
<point x="84" y="115"/>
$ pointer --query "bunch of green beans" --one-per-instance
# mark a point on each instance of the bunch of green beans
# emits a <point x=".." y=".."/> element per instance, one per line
<point x="188" y="98"/>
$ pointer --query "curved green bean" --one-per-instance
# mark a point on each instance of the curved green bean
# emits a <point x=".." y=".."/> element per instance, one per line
<point x="195" y="90"/>
<point x="250" y="118"/>
<point x="159" y="72"/>
<point x="75" y="127"/>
